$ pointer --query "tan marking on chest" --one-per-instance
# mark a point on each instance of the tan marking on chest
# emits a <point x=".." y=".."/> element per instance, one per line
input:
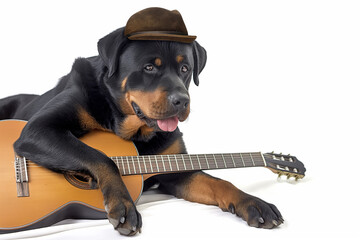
<point x="174" y="148"/>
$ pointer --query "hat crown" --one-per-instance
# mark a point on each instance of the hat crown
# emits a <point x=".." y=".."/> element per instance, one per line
<point x="154" y="22"/>
<point x="156" y="19"/>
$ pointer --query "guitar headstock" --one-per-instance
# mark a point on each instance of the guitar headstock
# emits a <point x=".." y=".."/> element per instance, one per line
<point x="285" y="165"/>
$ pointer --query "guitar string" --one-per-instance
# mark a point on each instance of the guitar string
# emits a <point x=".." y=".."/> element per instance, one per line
<point x="171" y="159"/>
<point x="181" y="168"/>
<point x="123" y="172"/>
<point x="189" y="164"/>
<point x="131" y="170"/>
<point x="222" y="159"/>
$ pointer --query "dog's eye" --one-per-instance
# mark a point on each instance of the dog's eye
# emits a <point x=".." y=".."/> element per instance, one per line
<point x="149" y="67"/>
<point x="184" y="69"/>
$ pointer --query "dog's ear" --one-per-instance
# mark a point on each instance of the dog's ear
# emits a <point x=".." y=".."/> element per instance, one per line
<point x="109" y="48"/>
<point x="199" y="61"/>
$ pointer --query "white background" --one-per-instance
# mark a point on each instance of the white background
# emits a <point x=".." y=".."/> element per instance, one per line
<point x="281" y="75"/>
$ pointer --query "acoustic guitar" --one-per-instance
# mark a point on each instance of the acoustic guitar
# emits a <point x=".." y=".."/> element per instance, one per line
<point x="33" y="197"/>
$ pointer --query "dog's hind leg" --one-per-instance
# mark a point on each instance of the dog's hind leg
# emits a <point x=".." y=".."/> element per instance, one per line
<point x="11" y="106"/>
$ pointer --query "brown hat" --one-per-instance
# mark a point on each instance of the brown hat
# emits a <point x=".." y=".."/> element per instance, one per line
<point x="157" y="24"/>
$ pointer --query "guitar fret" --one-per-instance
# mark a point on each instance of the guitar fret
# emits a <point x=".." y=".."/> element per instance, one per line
<point x="215" y="161"/>
<point x="242" y="159"/>
<point x="177" y="164"/>
<point x="245" y="160"/>
<point x="144" y="163"/>
<point x="157" y="164"/>
<point x="162" y="159"/>
<point x="261" y="160"/>
<point x="183" y="161"/>
<point x="232" y="158"/>
<point x="139" y="165"/>
<point x="132" y="160"/>
<point x="198" y="161"/>
<point x="252" y="159"/>
<point x="127" y="160"/>
<point x="207" y="162"/>
<point x="150" y="164"/>
<point x="122" y="162"/>
<point x="174" y="162"/>
<point x="168" y="156"/>
<point x="228" y="161"/>
<point x="223" y="160"/>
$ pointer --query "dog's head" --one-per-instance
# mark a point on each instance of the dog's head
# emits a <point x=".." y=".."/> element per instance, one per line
<point x="150" y="79"/>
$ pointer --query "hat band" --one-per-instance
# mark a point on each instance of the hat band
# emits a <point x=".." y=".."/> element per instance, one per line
<point x="157" y="32"/>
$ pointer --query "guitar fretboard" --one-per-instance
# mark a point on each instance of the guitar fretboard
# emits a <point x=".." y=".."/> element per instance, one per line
<point x="149" y="164"/>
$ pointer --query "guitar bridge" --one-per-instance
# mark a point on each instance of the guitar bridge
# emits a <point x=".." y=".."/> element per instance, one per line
<point x="21" y="176"/>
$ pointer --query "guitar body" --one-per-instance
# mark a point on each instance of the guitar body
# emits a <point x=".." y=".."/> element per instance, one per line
<point x="52" y="197"/>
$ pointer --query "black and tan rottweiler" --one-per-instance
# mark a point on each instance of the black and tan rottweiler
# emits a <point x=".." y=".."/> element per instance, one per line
<point x="137" y="88"/>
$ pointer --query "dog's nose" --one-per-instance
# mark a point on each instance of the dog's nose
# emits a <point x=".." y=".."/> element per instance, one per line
<point x="179" y="100"/>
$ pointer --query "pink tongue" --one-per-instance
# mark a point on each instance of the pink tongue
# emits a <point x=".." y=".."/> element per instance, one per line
<point x="169" y="124"/>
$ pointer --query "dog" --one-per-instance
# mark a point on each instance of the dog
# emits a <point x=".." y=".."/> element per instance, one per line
<point x="137" y="87"/>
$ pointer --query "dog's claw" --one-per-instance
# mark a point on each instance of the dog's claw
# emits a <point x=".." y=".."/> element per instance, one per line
<point x="261" y="220"/>
<point x="124" y="231"/>
<point x="232" y="208"/>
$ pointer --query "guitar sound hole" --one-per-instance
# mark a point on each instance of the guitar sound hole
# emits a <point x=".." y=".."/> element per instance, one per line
<point x="81" y="178"/>
<point x="81" y="181"/>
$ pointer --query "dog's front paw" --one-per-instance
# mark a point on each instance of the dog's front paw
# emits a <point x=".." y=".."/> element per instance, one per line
<point x="122" y="214"/>
<point x="257" y="213"/>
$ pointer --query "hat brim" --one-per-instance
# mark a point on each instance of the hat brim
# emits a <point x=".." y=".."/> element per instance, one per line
<point x="163" y="37"/>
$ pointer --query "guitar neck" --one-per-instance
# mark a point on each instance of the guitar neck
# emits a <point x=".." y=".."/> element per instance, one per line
<point x="150" y="164"/>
